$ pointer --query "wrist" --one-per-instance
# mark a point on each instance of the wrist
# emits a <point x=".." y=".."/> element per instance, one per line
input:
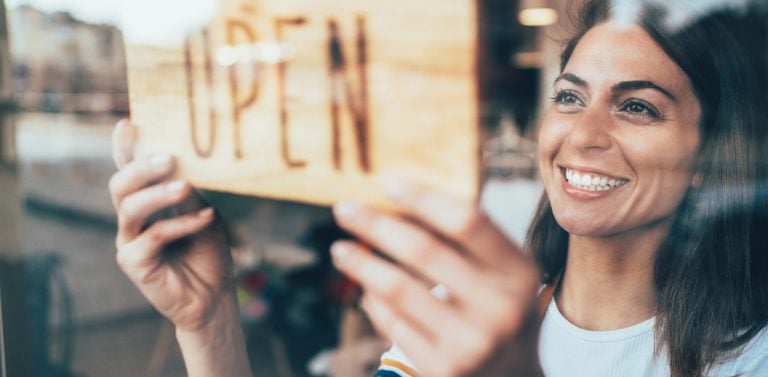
<point x="217" y="347"/>
<point x="220" y="317"/>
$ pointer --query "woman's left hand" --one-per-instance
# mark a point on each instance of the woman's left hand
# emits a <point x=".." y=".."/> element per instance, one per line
<point x="487" y="325"/>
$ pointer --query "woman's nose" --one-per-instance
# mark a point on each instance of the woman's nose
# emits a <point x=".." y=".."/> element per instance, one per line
<point x="591" y="130"/>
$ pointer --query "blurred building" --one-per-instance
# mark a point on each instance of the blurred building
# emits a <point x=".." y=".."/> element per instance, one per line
<point x="62" y="64"/>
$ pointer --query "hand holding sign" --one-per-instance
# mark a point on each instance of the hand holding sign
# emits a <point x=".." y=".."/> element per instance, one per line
<point x="308" y="101"/>
<point x="180" y="262"/>
<point x="180" y="256"/>
<point x="487" y="324"/>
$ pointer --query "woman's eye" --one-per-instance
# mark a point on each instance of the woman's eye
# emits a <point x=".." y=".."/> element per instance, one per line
<point x="640" y="108"/>
<point x="566" y="98"/>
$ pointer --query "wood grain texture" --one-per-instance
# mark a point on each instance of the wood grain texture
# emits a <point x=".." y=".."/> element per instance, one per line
<point x="373" y="89"/>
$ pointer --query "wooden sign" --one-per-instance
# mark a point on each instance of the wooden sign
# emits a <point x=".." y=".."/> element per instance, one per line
<point x="315" y="100"/>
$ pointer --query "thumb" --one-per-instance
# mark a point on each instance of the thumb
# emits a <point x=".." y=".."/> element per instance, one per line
<point x="123" y="141"/>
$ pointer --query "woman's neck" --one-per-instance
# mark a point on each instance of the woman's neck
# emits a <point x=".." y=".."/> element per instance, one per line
<point x="608" y="281"/>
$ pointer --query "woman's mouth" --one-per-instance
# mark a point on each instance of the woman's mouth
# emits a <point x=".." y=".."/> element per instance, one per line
<point x="590" y="185"/>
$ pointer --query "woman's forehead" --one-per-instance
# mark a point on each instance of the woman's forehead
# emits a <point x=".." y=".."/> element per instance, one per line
<point x="617" y="52"/>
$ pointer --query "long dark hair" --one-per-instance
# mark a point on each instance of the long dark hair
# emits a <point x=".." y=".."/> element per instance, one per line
<point x="711" y="271"/>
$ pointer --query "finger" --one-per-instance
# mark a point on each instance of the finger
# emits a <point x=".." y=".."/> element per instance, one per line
<point x="413" y="318"/>
<point x="404" y="303"/>
<point x="123" y="141"/>
<point x="143" y="251"/>
<point x="411" y="245"/>
<point x="459" y="351"/>
<point x="475" y="290"/>
<point x="137" y="175"/>
<point x="407" y="294"/>
<point x="428" y="357"/>
<point x="136" y="209"/>
<point x="454" y="218"/>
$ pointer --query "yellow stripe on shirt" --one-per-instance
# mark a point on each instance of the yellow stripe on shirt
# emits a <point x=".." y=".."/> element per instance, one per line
<point x="398" y="365"/>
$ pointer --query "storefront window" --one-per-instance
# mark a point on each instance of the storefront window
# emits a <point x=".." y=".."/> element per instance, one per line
<point x="71" y="70"/>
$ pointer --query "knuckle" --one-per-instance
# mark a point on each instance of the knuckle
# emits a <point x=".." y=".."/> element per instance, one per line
<point x="394" y="288"/>
<point x="507" y="320"/>
<point x="119" y="241"/>
<point x="122" y="224"/>
<point x="383" y="321"/>
<point x="481" y="347"/>
<point x="156" y="235"/>
<point x="144" y="277"/>
<point x="526" y="282"/>
<point x="377" y="226"/>
<point x="503" y="311"/>
<point x="123" y="211"/>
<point x="114" y="183"/>
<point x="122" y="259"/>
<point x="126" y="211"/>
<point x="423" y="251"/>
<point x="395" y="326"/>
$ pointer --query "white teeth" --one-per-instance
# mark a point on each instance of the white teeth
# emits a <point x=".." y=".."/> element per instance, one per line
<point x="591" y="182"/>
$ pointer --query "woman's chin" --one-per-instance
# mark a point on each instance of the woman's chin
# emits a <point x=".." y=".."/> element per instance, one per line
<point x="583" y="225"/>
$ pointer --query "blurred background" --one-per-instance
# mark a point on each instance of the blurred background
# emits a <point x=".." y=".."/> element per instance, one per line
<point x="62" y="88"/>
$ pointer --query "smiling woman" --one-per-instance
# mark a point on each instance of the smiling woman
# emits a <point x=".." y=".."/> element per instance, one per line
<point x="676" y="115"/>
<point x="650" y="237"/>
<point x="648" y="233"/>
<point x="611" y="120"/>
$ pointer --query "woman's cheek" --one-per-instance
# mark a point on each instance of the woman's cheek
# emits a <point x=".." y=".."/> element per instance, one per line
<point x="551" y="136"/>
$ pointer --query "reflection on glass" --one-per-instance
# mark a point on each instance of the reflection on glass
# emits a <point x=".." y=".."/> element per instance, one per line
<point x="300" y="316"/>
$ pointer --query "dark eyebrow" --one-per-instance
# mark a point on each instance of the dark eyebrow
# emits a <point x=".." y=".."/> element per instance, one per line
<point x="620" y="87"/>
<point x="572" y="78"/>
<point x="641" y="84"/>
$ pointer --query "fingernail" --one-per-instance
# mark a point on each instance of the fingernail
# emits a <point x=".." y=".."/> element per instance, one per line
<point x="205" y="212"/>
<point x="340" y="250"/>
<point x="176" y="186"/>
<point x="397" y="188"/>
<point x="347" y="210"/>
<point x="160" y="161"/>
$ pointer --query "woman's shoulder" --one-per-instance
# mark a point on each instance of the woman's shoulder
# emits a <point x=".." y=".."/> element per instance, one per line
<point x="751" y="360"/>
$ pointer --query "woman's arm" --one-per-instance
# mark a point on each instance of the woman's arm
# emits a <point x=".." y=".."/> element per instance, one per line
<point x="218" y="349"/>
<point x="181" y="262"/>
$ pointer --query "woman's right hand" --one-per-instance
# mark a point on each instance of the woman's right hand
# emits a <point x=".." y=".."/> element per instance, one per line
<point x="168" y="242"/>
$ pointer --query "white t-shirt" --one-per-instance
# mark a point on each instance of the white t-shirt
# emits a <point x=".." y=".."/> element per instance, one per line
<point x="569" y="351"/>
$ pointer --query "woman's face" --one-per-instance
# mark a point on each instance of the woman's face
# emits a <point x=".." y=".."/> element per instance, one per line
<point x="618" y="143"/>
